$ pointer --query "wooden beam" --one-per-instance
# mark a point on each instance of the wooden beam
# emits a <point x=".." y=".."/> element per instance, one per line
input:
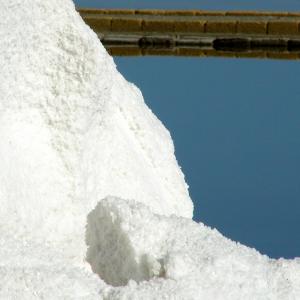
<point x="269" y="34"/>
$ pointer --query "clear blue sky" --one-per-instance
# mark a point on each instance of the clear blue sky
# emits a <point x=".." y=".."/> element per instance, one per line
<point x="236" y="128"/>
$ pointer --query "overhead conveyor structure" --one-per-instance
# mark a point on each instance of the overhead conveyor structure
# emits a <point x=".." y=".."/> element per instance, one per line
<point x="197" y="33"/>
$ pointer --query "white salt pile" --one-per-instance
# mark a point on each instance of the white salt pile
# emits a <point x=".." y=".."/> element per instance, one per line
<point x="72" y="132"/>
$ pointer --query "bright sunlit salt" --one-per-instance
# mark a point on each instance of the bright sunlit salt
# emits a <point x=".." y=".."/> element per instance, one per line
<point x="72" y="132"/>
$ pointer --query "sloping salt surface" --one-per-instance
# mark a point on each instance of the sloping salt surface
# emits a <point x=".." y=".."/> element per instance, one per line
<point x="180" y="258"/>
<point x="72" y="129"/>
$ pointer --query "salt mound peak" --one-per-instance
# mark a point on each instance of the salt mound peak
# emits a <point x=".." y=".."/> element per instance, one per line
<point x="72" y="129"/>
<point x="72" y="132"/>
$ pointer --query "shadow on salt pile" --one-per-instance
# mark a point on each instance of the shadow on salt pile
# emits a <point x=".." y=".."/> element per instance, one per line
<point x="110" y="252"/>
